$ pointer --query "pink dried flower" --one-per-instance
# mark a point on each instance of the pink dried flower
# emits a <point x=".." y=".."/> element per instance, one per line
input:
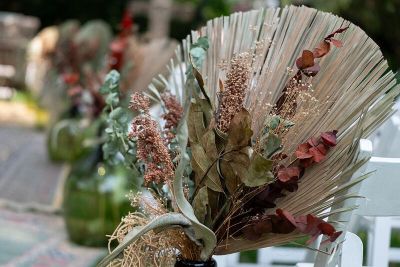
<point x="139" y="102"/>
<point x="235" y="87"/>
<point x="173" y="115"/>
<point x="151" y="149"/>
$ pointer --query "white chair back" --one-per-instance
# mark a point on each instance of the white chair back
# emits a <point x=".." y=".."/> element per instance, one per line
<point x="382" y="191"/>
<point x="331" y="260"/>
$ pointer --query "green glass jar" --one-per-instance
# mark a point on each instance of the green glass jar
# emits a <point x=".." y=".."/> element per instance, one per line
<point x="95" y="201"/>
<point x="66" y="139"/>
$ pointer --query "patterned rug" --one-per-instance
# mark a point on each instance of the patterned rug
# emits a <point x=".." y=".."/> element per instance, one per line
<point x="37" y="240"/>
<point x="28" y="180"/>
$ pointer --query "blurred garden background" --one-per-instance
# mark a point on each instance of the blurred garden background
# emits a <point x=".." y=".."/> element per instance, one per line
<point x="58" y="198"/>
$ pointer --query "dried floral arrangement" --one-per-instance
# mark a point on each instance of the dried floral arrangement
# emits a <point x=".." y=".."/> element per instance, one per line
<point x="259" y="140"/>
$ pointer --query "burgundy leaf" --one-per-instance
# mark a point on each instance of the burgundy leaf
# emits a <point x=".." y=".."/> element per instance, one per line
<point x="312" y="71"/>
<point x="336" y="43"/>
<point x="330" y="36"/>
<point x="322" y="49"/>
<point x="329" y="138"/>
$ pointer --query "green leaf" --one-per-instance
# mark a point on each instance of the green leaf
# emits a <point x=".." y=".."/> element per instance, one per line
<point x="117" y="113"/>
<point x="162" y="222"/>
<point x="198" y="51"/>
<point x="111" y="82"/>
<point x="200" y="204"/>
<point x="259" y="172"/>
<point x="240" y="133"/>
<point x="112" y="99"/>
<point x="202" y="42"/>
<point x="274" y="123"/>
<point x="197" y="54"/>
<point x="288" y="123"/>
<point x="203" y="167"/>
<point x="272" y="144"/>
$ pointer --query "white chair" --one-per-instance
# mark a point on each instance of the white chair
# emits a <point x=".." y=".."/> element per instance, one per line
<point x="386" y="143"/>
<point x="382" y="199"/>
<point x="381" y="192"/>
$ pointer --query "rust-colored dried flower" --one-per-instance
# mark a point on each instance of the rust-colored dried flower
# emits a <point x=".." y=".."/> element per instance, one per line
<point x="151" y="149"/>
<point x="173" y="115"/>
<point x="139" y="102"/>
<point x="235" y="87"/>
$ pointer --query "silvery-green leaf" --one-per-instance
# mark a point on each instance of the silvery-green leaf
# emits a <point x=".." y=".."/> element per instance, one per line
<point x="259" y="172"/>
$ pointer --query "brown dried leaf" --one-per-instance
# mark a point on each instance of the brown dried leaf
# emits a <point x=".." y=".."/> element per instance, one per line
<point x="201" y="165"/>
<point x="195" y="123"/>
<point x="208" y="143"/>
<point x="240" y="133"/>
<point x="200" y="204"/>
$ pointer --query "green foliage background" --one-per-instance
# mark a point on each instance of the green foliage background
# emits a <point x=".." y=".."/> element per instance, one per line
<point x="379" y="18"/>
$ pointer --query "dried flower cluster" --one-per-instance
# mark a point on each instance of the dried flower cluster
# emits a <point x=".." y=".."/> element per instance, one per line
<point x="251" y="220"/>
<point x="172" y="116"/>
<point x="151" y="149"/>
<point x="152" y="249"/>
<point x="139" y="102"/>
<point x="235" y="87"/>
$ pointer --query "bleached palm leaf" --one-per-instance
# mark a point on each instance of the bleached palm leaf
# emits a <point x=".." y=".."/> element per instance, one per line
<point x="354" y="83"/>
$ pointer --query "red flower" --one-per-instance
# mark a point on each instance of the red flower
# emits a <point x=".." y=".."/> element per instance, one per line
<point x="70" y="78"/>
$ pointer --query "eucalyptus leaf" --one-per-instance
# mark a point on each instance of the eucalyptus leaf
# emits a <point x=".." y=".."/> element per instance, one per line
<point x="112" y="99"/>
<point x="259" y="172"/>
<point x="116" y="113"/>
<point x="202" y="42"/>
<point x="111" y="83"/>
<point x="272" y="144"/>
<point x="274" y="122"/>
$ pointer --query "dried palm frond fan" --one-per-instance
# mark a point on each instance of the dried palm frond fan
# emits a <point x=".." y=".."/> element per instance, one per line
<point x="274" y="103"/>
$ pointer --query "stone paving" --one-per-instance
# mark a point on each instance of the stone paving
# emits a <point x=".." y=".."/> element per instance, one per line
<point x="31" y="232"/>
